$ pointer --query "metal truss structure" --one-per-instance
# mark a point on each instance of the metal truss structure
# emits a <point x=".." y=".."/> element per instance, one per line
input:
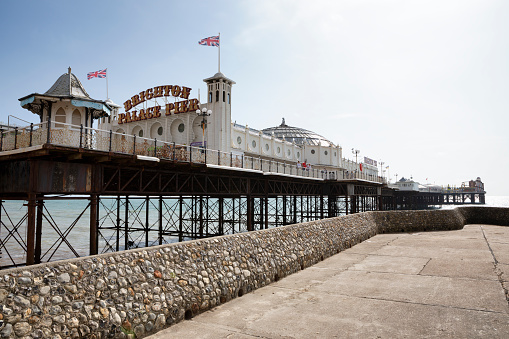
<point x="56" y="203"/>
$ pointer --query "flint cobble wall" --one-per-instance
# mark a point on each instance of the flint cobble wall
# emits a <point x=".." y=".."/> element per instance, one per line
<point x="145" y="290"/>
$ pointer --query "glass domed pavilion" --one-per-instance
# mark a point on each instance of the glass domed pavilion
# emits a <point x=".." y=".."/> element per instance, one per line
<point x="298" y="135"/>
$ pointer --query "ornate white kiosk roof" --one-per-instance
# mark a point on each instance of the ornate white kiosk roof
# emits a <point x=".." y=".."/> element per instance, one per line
<point x="67" y="87"/>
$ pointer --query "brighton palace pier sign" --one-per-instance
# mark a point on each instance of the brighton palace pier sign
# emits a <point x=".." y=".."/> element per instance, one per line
<point x="187" y="105"/>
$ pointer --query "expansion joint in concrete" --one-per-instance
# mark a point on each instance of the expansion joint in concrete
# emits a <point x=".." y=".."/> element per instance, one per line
<point x="498" y="271"/>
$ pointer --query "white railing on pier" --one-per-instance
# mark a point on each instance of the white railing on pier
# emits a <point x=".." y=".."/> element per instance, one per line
<point x="68" y="135"/>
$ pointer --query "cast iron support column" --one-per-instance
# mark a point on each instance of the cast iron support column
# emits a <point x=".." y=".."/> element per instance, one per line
<point x="331" y="201"/>
<point x="38" y="231"/>
<point x="250" y="212"/>
<point x="160" y="220"/>
<point x="93" y="224"/>
<point x="147" y="225"/>
<point x="201" y="217"/>
<point x="31" y="229"/>
<point x="266" y="212"/>
<point x="295" y="209"/>
<point x="249" y="207"/>
<point x="181" y="236"/>
<point x="284" y="210"/>
<point x="221" y="216"/>
<point x="126" y="224"/>
<point x="322" y="214"/>
<point x="117" y="226"/>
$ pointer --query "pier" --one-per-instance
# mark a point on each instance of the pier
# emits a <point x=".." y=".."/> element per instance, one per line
<point x="141" y="192"/>
<point x="169" y="170"/>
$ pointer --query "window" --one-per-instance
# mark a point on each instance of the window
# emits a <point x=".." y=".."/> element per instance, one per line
<point x="312" y="151"/>
<point x="298" y="154"/>
<point x="60" y="117"/>
<point x="140" y="133"/>
<point x="266" y="147"/>
<point x="217" y="96"/>
<point x="181" y="128"/>
<point x="278" y="150"/>
<point x="239" y="140"/>
<point x="160" y="131"/>
<point x="228" y="98"/>
<point x="254" y="144"/>
<point x="224" y="96"/>
<point x="210" y="96"/>
<point x="325" y="152"/>
<point x="289" y="152"/>
<point x="76" y="118"/>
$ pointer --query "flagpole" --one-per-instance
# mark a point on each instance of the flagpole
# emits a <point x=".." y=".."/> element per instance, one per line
<point x="219" y="53"/>
<point x="107" y="97"/>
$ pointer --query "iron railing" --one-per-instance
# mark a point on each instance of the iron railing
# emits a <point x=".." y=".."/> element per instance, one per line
<point x="62" y="134"/>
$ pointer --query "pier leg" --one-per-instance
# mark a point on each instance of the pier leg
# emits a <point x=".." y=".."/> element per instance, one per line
<point x="284" y="210"/>
<point x="294" y="209"/>
<point x="266" y="212"/>
<point x="181" y="235"/>
<point x="38" y="232"/>
<point x="126" y="224"/>
<point x="31" y="229"/>
<point x="160" y="220"/>
<point x="221" y="216"/>
<point x="147" y="223"/>
<point x="93" y="224"/>
<point x="201" y="217"/>
<point x="250" y="213"/>
<point x="117" y="226"/>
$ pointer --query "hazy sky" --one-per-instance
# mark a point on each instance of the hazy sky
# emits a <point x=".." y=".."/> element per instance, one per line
<point x="420" y="85"/>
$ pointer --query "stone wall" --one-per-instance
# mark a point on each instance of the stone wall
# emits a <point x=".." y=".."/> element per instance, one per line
<point x="144" y="290"/>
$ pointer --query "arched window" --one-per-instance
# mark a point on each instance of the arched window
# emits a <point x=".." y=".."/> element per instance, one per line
<point x="217" y="96"/>
<point x="60" y="117"/>
<point x="76" y="118"/>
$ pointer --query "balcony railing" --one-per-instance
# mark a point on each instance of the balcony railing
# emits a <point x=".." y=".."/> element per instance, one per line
<point x="67" y="135"/>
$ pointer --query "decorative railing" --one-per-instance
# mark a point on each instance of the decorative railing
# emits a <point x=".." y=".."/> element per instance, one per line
<point x="68" y="135"/>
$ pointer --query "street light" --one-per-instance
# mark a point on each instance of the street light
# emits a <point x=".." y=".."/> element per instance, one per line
<point x="204" y="113"/>
<point x="355" y="151"/>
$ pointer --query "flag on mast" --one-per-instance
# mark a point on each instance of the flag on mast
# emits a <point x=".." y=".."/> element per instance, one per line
<point x="213" y="41"/>
<point x="210" y="41"/>
<point x="97" y="74"/>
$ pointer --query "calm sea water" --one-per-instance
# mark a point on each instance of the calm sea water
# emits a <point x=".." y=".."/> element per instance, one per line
<point x="70" y="219"/>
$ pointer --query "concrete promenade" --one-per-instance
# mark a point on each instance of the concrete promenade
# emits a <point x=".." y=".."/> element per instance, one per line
<point x="448" y="284"/>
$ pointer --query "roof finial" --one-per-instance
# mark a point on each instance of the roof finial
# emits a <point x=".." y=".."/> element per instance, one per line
<point x="69" y="69"/>
<point x="283" y="123"/>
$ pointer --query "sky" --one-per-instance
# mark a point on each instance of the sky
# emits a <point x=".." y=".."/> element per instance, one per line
<point x="422" y="86"/>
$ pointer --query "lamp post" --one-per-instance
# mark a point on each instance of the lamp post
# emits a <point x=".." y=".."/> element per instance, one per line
<point x="204" y="113"/>
<point x="382" y="169"/>
<point x="356" y="152"/>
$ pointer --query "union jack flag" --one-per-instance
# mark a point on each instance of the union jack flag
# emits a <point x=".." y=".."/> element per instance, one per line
<point x="210" y="41"/>
<point x="97" y="74"/>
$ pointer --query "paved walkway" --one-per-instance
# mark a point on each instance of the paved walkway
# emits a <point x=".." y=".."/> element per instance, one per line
<point x="422" y="285"/>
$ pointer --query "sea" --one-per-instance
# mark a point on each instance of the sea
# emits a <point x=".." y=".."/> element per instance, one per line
<point x="65" y="231"/>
